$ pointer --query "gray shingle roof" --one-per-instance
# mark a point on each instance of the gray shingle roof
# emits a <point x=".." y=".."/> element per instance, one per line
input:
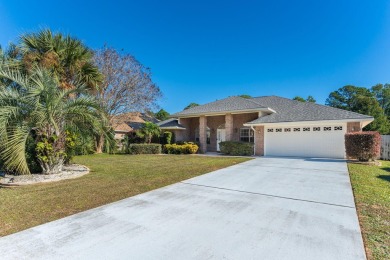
<point x="170" y="123"/>
<point x="224" y="105"/>
<point x="288" y="110"/>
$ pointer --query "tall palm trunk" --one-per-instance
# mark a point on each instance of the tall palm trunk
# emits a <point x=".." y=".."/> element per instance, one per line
<point x="99" y="144"/>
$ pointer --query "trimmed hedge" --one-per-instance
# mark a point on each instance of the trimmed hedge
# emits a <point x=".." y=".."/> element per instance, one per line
<point x="185" y="148"/>
<point x="364" y="146"/>
<point x="236" y="148"/>
<point x="144" y="149"/>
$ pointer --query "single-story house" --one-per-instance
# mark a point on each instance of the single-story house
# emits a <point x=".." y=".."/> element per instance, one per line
<point x="129" y="123"/>
<point x="277" y="126"/>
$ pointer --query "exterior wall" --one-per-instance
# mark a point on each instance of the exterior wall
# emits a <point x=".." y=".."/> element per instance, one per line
<point x="213" y="122"/>
<point x="229" y="127"/>
<point x="353" y="127"/>
<point x="259" y="140"/>
<point x="180" y="135"/>
<point x="239" y="121"/>
<point x="190" y="124"/>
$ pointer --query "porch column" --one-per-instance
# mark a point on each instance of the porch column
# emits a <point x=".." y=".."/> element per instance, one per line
<point x="229" y="127"/>
<point x="203" y="133"/>
<point x="259" y="140"/>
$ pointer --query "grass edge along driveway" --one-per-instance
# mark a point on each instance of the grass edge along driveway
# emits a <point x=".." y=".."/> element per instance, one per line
<point x="112" y="178"/>
<point x="371" y="188"/>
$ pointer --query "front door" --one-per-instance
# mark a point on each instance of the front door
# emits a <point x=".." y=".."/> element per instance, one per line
<point x="221" y="137"/>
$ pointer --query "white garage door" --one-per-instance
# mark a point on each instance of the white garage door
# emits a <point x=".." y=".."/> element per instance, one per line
<point x="306" y="141"/>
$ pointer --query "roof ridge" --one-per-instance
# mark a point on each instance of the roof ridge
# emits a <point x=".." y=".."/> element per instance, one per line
<point x="250" y="99"/>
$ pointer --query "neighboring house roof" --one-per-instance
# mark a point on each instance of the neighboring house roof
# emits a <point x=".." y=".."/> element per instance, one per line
<point x="280" y="110"/>
<point x="170" y="124"/>
<point x="288" y="110"/>
<point x="133" y="120"/>
<point x="136" y="125"/>
<point x="230" y="104"/>
<point x="125" y="128"/>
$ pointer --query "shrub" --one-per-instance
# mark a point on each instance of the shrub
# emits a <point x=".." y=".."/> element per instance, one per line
<point x="185" y="148"/>
<point x="144" y="149"/>
<point x="236" y="148"/>
<point x="364" y="146"/>
<point x="167" y="138"/>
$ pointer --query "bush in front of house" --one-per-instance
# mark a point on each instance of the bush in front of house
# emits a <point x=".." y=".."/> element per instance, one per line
<point x="144" y="149"/>
<point x="364" y="146"/>
<point x="167" y="137"/>
<point x="236" y="148"/>
<point x="185" y="148"/>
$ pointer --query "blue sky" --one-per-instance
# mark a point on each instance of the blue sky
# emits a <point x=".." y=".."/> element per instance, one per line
<point x="200" y="51"/>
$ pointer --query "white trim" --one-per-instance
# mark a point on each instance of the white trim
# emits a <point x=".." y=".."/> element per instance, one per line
<point x="254" y="140"/>
<point x="173" y="128"/>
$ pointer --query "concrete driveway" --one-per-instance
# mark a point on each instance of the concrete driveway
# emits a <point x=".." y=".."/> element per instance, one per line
<point x="267" y="208"/>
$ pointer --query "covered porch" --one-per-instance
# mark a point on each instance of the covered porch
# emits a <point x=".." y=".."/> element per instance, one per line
<point x="209" y="131"/>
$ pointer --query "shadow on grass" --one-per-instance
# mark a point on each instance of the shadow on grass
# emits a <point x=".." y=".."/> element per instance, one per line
<point x="384" y="177"/>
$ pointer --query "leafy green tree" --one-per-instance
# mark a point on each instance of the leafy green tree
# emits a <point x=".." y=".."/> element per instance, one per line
<point x="382" y="94"/>
<point x="298" y="98"/>
<point x="66" y="57"/>
<point x="35" y="107"/>
<point x="245" y="96"/>
<point x="148" y="130"/>
<point x="311" y="99"/>
<point x="308" y="99"/>
<point x="346" y="97"/>
<point x="191" y="105"/>
<point x="162" y="115"/>
<point x="360" y="100"/>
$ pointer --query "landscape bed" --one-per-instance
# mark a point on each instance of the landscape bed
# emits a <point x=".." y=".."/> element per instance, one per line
<point x="112" y="177"/>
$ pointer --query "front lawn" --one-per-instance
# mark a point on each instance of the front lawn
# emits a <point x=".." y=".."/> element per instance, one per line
<point x="371" y="187"/>
<point x="112" y="177"/>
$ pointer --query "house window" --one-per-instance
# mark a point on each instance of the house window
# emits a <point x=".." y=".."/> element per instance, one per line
<point x="297" y="129"/>
<point x="327" y="128"/>
<point x="287" y="129"/>
<point x="279" y="130"/>
<point x="270" y="130"/>
<point x="338" y="128"/>
<point x="246" y="135"/>
<point x="306" y="129"/>
<point x="207" y="135"/>
<point x="316" y="128"/>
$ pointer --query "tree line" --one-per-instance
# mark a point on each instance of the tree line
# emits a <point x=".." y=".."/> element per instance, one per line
<point x="374" y="101"/>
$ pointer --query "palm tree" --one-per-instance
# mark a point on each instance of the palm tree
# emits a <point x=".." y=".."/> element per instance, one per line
<point x="34" y="106"/>
<point x="148" y="131"/>
<point x="66" y="57"/>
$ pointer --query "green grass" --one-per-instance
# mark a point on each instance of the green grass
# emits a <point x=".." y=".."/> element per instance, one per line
<point x="371" y="187"/>
<point x="112" y="177"/>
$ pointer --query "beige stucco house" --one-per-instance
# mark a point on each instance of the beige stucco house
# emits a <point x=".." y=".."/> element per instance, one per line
<point x="277" y="126"/>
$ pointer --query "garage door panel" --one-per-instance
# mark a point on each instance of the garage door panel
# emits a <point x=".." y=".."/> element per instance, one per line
<point x="309" y="143"/>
